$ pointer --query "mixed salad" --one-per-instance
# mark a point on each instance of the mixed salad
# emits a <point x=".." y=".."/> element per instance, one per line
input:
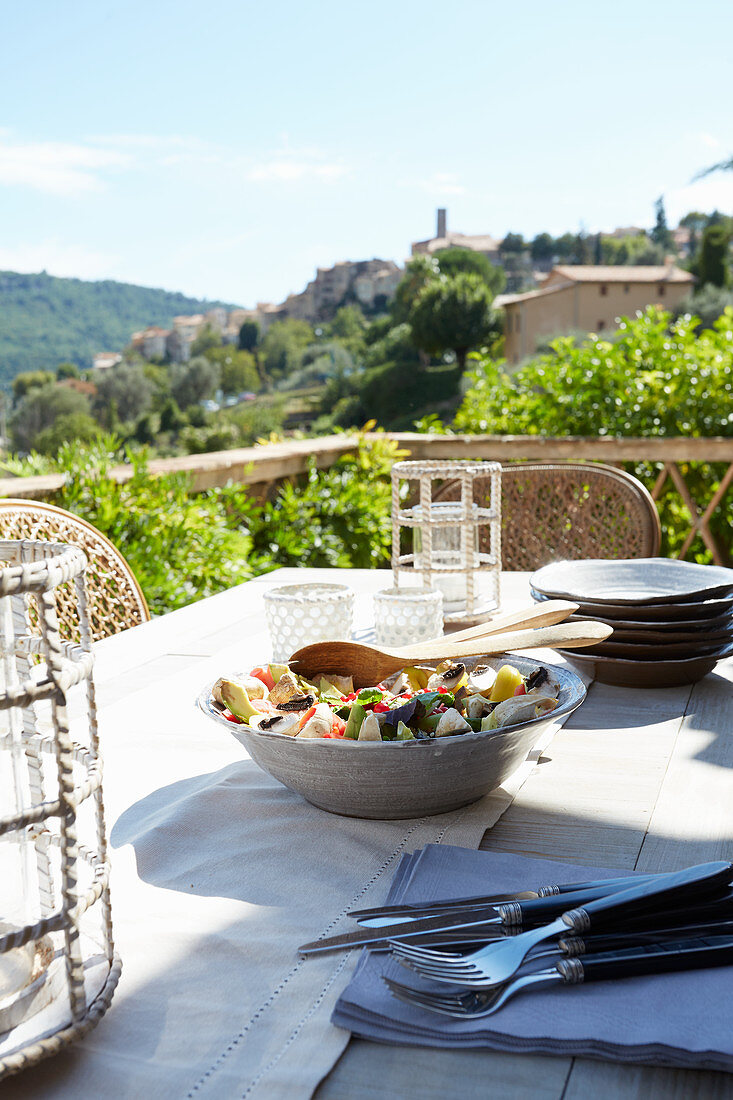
<point x="420" y="703"/>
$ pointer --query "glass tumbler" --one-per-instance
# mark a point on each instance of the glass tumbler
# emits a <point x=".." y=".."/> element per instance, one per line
<point x="299" y="614"/>
<point x="403" y="616"/>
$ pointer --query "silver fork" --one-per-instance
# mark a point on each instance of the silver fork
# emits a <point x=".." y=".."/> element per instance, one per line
<point x="498" y="962"/>
<point x="470" y="1003"/>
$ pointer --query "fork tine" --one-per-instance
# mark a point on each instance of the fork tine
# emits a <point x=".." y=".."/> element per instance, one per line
<point x="422" y="996"/>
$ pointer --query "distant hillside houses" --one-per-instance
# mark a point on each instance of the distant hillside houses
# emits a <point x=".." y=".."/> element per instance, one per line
<point x="175" y="343"/>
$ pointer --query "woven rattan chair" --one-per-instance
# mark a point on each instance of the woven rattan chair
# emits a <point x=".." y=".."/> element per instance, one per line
<point x="115" y="598"/>
<point x="564" y="511"/>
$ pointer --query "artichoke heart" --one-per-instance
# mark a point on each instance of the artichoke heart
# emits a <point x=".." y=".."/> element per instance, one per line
<point x="370" y="730"/>
<point x="255" y="688"/>
<point x="320" y="724"/>
<point x="452" y="721"/>
<point x="522" y="708"/>
<point x="284" y="690"/>
<point x="476" y="707"/>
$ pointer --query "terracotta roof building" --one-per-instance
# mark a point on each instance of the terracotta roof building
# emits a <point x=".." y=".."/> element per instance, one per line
<point x="586" y="298"/>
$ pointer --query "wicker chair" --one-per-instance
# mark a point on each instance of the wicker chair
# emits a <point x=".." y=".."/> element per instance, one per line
<point x="116" y="600"/>
<point x="570" y="510"/>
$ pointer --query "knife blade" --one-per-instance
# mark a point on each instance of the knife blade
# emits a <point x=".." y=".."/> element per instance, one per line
<point x="367" y="917"/>
<point x="513" y="914"/>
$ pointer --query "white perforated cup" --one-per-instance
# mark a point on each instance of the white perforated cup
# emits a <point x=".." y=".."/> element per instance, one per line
<point x="403" y="616"/>
<point x="299" y="614"/>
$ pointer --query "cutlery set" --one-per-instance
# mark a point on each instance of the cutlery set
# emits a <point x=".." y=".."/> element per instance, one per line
<point x="554" y="935"/>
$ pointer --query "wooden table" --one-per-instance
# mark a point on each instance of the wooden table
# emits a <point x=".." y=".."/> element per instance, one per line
<point x="636" y="779"/>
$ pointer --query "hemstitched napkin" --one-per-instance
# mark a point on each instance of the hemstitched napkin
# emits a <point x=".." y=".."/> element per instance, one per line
<point x="679" y="1019"/>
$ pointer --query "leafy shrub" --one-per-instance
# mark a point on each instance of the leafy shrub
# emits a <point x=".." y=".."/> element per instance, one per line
<point x="653" y="379"/>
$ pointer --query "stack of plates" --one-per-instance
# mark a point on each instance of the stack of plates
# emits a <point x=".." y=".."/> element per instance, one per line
<point x="672" y="620"/>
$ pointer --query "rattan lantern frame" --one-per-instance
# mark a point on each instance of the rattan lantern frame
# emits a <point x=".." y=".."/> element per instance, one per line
<point x="468" y="517"/>
<point x="58" y="754"/>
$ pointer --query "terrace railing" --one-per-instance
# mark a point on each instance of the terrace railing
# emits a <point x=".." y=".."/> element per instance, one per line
<point x="264" y="466"/>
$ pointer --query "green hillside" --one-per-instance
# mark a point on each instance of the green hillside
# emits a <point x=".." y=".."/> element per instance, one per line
<point x="45" y="320"/>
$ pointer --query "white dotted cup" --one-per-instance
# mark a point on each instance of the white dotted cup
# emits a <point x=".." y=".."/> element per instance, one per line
<point x="299" y="614"/>
<point x="403" y="616"/>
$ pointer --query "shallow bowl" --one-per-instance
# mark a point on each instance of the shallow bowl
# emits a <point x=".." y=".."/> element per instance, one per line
<point x="399" y="779"/>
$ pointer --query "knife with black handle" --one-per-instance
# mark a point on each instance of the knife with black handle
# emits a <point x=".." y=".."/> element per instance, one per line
<point x="433" y="908"/>
<point x="495" y="920"/>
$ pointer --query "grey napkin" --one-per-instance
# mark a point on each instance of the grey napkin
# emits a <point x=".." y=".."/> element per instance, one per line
<point x="671" y="1019"/>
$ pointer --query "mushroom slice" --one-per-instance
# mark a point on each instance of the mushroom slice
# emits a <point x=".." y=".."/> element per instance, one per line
<point x="452" y="721"/>
<point x="449" y="676"/>
<point x="542" y="682"/>
<point x="278" y="723"/>
<point x="298" y="703"/>
<point x="481" y="680"/>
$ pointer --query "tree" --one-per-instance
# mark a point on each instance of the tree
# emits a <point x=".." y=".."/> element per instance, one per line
<point x="238" y="369"/>
<point x="419" y="271"/>
<point x="249" y="336"/>
<point x="40" y="409"/>
<point x="193" y="382"/>
<point x="543" y="247"/>
<point x="566" y="246"/>
<point x="30" y="380"/>
<point x="129" y="389"/>
<point x="661" y="233"/>
<point x="171" y="417"/>
<point x="206" y="339"/>
<point x="453" y="313"/>
<point x="453" y="260"/>
<point x="67" y="370"/>
<point x="283" y="346"/>
<point x="713" y="261"/>
<point x="69" y="427"/>
<point x="348" y="327"/>
<point x="513" y="242"/>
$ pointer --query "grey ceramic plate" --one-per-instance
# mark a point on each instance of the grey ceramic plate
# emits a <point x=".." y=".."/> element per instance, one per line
<point x="632" y="581"/>
<point x="677" y="629"/>
<point x="624" y="673"/>
<point x="661" y="612"/>
<point x="657" y="651"/>
<point x="398" y="779"/>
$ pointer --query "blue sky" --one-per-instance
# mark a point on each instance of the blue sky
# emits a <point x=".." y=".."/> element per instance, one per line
<point x="227" y="149"/>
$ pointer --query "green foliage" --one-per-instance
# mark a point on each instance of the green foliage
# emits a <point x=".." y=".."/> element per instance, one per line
<point x="283" y="347"/>
<point x="46" y="319"/>
<point x="513" y="242"/>
<point x="652" y="379"/>
<point x="661" y="234"/>
<point x="171" y="417"/>
<point x="707" y="303"/>
<point x="79" y="426"/>
<point x="419" y="272"/>
<point x="238" y="370"/>
<point x="125" y="388"/>
<point x="206" y="340"/>
<point x="713" y="262"/>
<point x="452" y="261"/>
<point x="193" y="382"/>
<point x="181" y="546"/>
<point x="631" y="250"/>
<point x="31" y="380"/>
<point x="348" y="328"/>
<point x="340" y="517"/>
<point x="249" y="336"/>
<point x="542" y="247"/>
<point x="256" y="419"/>
<point x="67" y="370"/>
<point x="40" y="409"/>
<point x="453" y="313"/>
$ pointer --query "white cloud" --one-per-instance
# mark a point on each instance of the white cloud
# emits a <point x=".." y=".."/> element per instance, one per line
<point x="710" y="141"/>
<point x="57" y="258"/>
<point x="58" y="168"/>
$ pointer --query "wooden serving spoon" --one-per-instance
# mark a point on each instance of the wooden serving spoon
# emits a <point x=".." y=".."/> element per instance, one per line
<point x="369" y="665"/>
<point x="546" y="613"/>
